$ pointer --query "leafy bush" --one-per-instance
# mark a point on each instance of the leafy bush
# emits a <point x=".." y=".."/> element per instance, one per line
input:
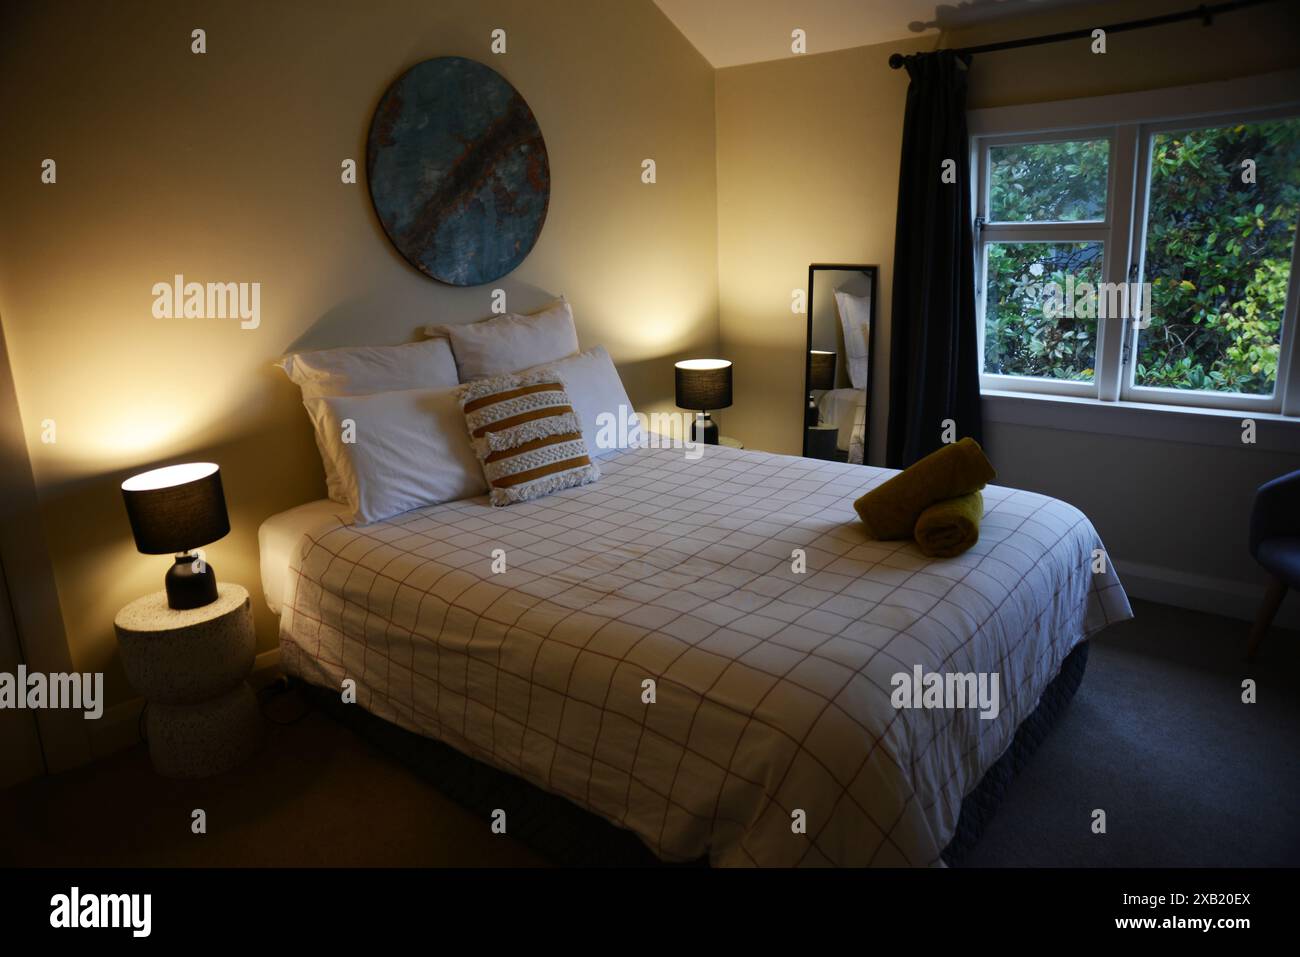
<point x="1021" y="336"/>
<point x="1218" y="255"/>
<point x="1049" y="182"/>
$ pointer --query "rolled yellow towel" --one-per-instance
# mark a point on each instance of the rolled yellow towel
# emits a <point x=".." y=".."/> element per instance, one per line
<point x="890" y="510"/>
<point x="948" y="528"/>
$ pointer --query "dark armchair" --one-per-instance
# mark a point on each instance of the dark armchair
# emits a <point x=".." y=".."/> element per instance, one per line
<point x="1275" y="543"/>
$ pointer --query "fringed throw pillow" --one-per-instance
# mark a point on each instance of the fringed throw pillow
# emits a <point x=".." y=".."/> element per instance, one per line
<point x="527" y="436"/>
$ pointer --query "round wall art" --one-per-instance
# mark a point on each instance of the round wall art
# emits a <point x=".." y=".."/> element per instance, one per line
<point x="458" y="171"/>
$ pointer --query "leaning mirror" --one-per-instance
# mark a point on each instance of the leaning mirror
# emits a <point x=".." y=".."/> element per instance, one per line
<point x="837" y="364"/>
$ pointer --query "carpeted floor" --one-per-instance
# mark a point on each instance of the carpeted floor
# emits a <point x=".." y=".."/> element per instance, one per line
<point x="1157" y="737"/>
<point x="315" y="795"/>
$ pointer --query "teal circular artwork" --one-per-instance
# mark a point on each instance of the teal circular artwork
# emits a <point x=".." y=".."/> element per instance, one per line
<point x="458" y="171"/>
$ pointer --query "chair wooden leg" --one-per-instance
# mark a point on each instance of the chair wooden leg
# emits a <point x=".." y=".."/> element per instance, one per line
<point x="1267" y="609"/>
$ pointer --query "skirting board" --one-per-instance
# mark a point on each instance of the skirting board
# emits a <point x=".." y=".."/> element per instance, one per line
<point x="1216" y="596"/>
<point x="119" y="728"/>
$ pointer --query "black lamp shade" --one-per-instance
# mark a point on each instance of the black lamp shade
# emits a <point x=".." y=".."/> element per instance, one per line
<point x="704" y="384"/>
<point x="177" y="508"/>
<point x="821" y="370"/>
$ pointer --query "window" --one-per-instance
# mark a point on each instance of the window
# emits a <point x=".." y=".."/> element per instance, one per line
<point x="1150" y="262"/>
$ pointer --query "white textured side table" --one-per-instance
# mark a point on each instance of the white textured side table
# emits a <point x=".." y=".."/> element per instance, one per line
<point x="191" y="665"/>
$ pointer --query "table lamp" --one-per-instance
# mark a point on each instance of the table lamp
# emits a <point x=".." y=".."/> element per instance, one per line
<point x="821" y="376"/>
<point x="704" y="384"/>
<point x="174" y="510"/>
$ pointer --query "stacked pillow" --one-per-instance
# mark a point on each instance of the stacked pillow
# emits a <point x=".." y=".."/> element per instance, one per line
<point x="363" y="370"/>
<point x="395" y="432"/>
<point x="595" y="391"/>
<point x="398" y="450"/>
<point x="526" y="434"/>
<point x="511" y="342"/>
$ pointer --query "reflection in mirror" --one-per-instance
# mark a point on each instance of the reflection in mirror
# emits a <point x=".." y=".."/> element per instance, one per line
<point x="841" y="333"/>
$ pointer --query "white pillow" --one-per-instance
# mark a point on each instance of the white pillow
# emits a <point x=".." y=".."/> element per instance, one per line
<point x="364" y="370"/>
<point x="855" y="317"/>
<point x="594" y="388"/>
<point x="408" y="449"/>
<point x="512" y="342"/>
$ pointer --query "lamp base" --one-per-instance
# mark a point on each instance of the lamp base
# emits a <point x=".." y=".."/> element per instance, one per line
<point x="812" y="416"/>
<point x="704" y="430"/>
<point x="188" y="588"/>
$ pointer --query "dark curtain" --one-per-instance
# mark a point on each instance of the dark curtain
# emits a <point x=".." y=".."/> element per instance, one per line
<point x="933" y="354"/>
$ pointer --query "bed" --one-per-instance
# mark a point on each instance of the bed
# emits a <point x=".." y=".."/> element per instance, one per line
<point x="846" y="409"/>
<point x="533" y="637"/>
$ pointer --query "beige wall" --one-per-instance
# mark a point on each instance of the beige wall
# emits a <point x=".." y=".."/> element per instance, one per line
<point x="808" y="165"/>
<point x="807" y="172"/>
<point x="226" y="167"/>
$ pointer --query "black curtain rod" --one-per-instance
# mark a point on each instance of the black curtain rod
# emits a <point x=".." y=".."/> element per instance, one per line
<point x="1205" y="13"/>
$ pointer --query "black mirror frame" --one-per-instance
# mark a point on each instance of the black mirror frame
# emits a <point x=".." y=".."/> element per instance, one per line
<point x="874" y="270"/>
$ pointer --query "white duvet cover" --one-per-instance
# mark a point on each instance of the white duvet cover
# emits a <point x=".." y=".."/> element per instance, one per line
<point x="771" y="738"/>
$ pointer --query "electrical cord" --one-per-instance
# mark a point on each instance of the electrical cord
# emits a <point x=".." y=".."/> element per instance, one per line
<point x="280" y="686"/>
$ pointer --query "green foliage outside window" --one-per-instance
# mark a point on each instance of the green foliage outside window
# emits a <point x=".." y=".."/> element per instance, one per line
<point x="1218" y="255"/>
<point x="1049" y="182"/>
<point x="1021" y="334"/>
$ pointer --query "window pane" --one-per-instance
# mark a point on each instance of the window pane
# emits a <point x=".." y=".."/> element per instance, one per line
<point x="1049" y="182"/>
<point x="1040" y="309"/>
<point x="1218" y="256"/>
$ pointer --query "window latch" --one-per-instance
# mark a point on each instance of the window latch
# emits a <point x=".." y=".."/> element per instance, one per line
<point x="1127" y="352"/>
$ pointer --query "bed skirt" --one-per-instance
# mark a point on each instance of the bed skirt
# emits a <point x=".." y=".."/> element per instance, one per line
<point x="567" y="835"/>
<point x="978" y="807"/>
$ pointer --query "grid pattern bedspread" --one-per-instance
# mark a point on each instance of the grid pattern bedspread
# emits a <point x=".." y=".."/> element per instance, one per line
<point x="772" y="687"/>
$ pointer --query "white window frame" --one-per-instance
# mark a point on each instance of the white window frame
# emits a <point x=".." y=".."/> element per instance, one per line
<point x="1129" y="390"/>
<point x="1128" y="121"/>
<point x="1041" y="231"/>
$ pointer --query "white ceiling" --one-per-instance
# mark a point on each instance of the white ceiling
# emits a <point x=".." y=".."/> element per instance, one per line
<point x="732" y="32"/>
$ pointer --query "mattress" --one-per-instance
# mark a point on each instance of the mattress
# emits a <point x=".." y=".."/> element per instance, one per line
<point x="279" y="536"/>
<point x="705" y="651"/>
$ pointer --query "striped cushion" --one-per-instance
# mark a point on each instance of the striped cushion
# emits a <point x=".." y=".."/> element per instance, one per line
<point x="527" y="436"/>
